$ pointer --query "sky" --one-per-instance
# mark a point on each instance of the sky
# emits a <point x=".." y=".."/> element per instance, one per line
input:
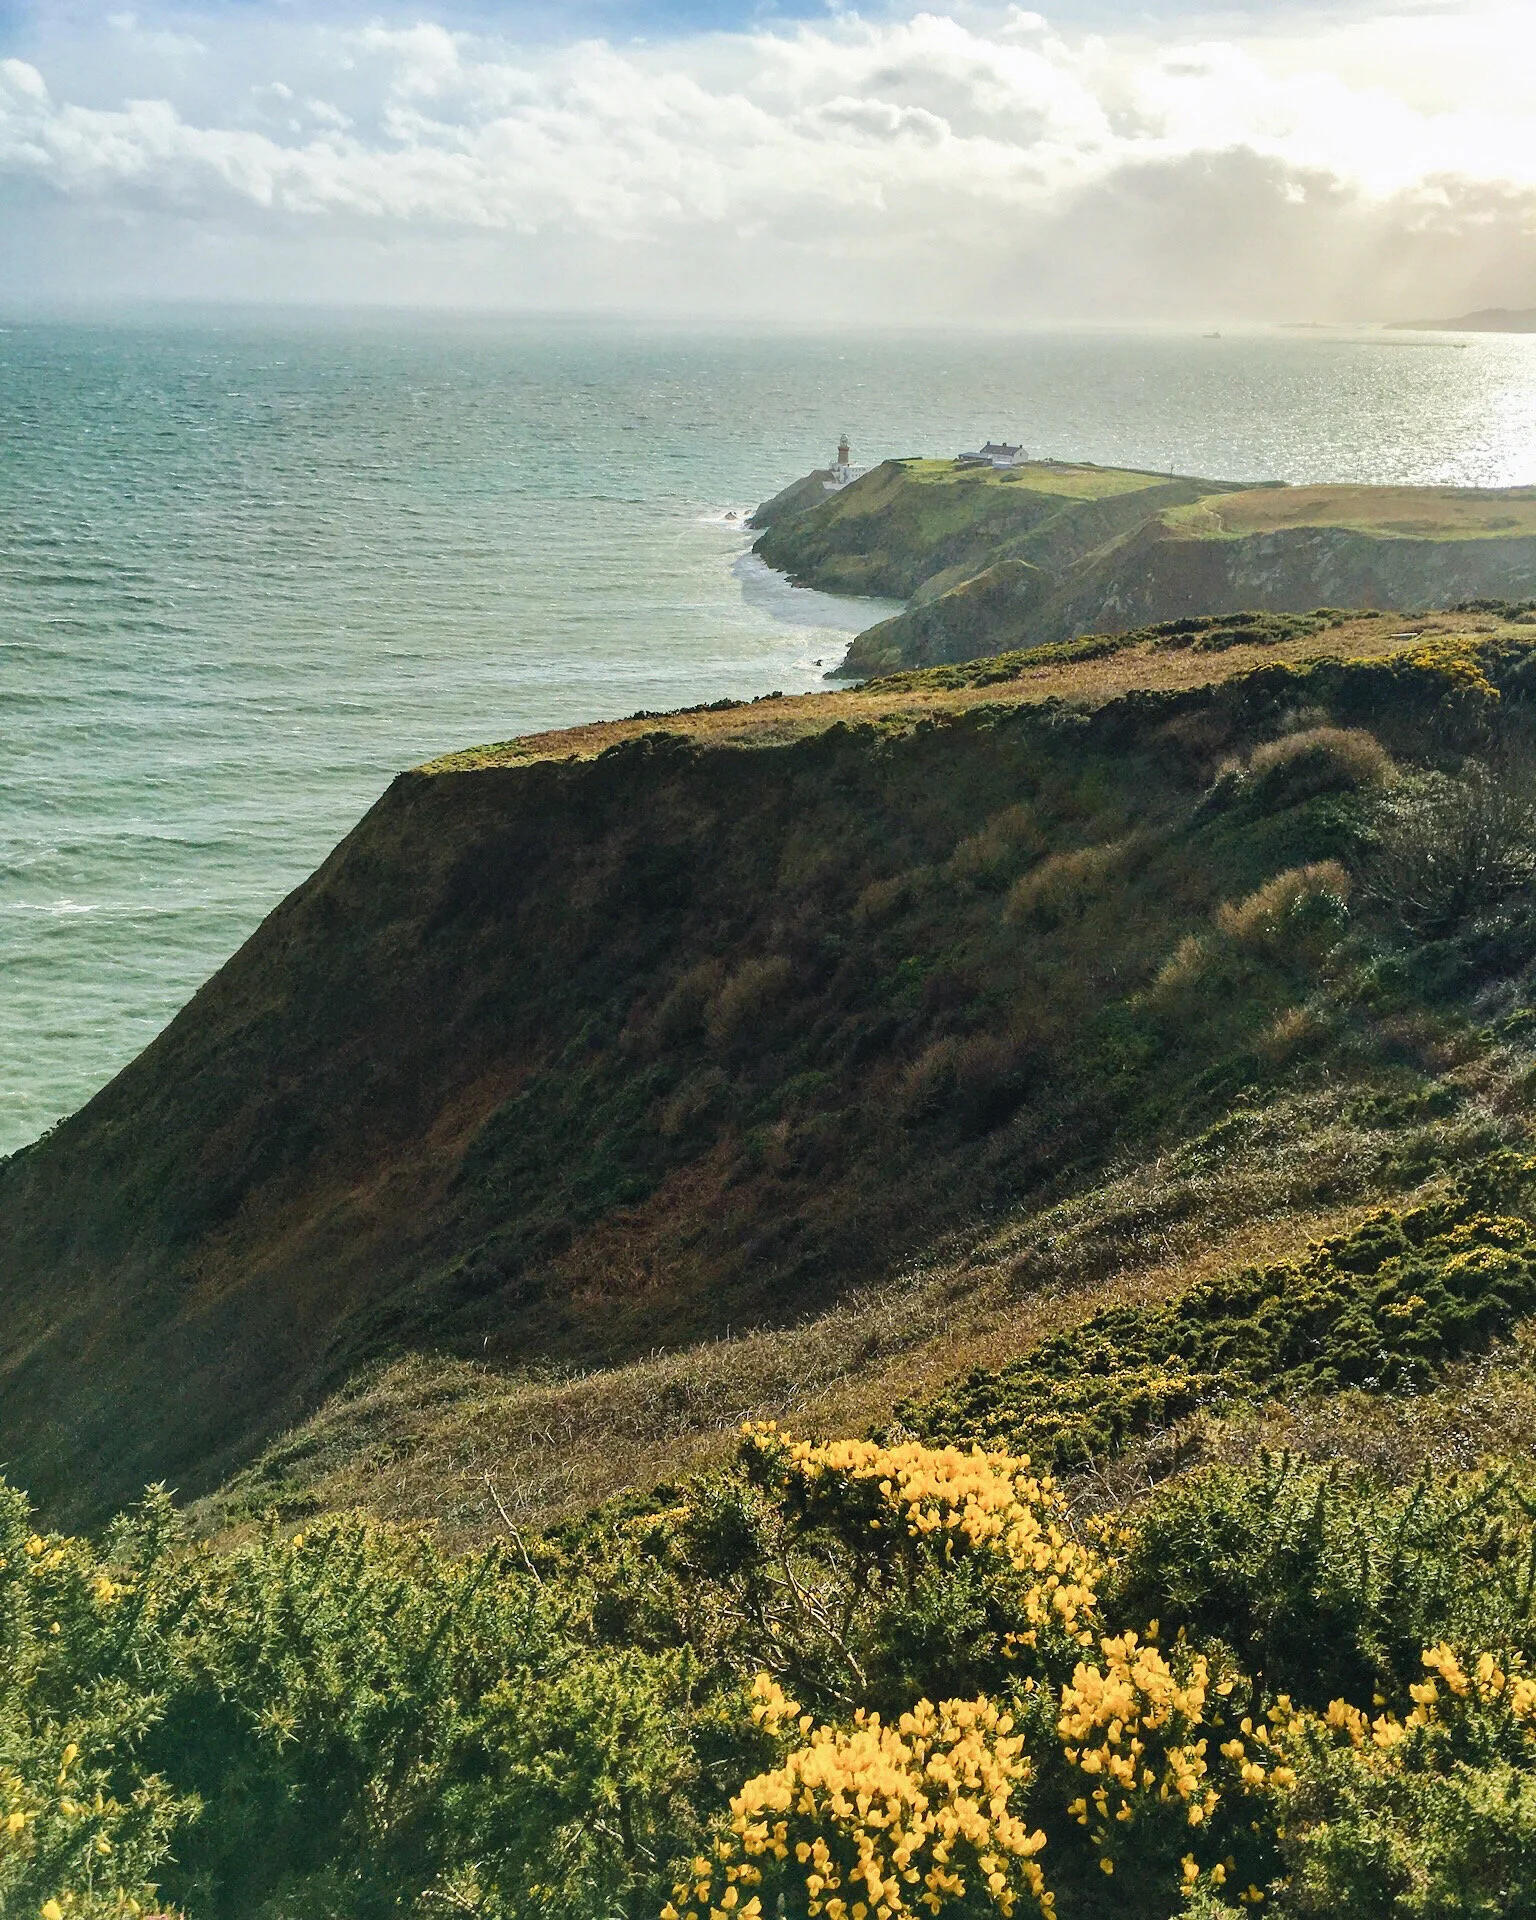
<point x="781" y="160"/>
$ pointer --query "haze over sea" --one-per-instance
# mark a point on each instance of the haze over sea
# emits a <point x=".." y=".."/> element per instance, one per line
<point x="251" y="566"/>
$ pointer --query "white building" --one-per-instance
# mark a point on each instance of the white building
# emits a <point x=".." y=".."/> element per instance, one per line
<point x="996" y="453"/>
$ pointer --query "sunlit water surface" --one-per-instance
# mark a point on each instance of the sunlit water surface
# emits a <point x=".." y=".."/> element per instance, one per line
<point x="251" y="567"/>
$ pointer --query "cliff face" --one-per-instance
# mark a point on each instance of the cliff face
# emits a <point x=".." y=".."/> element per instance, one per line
<point x="578" y="1048"/>
<point x="1163" y="575"/>
<point x="1158" y="575"/>
<point x="993" y="563"/>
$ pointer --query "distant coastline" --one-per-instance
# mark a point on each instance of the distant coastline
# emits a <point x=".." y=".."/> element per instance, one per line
<point x="1484" y="320"/>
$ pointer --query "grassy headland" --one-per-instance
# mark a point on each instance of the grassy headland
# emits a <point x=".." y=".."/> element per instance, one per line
<point x="995" y="561"/>
<point x="627" y="1039"/>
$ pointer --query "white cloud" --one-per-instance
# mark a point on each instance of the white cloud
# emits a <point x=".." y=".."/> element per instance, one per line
<point x="931" y="160"/>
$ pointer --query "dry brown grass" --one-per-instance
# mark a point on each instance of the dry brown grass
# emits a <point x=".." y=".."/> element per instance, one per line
<point x="1092" y="683"/>
<point x="417" y="1440"/>
<point x="1289" y="1033"/>
<point x="1007" y="838"/>
<point x="1061" y="887"/>
<point x="755" y="986"/>
<point x="1260" y="918"/>
<point x="1323" y="760"/>
<point x="1183" y="967"/>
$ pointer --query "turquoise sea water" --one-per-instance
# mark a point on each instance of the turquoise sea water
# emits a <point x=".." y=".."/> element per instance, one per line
<point x="251" y="566"/>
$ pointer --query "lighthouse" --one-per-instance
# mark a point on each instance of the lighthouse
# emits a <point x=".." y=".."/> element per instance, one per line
<point x="841" y="472"/>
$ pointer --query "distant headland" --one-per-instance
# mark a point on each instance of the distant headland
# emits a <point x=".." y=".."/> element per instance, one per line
<point x="1485" y="320"/>
<point x="994" y="551"/>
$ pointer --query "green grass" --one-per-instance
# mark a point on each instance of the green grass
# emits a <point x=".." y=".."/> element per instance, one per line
<point x="1399" y="513"/>
<point x="1069" y="481"/>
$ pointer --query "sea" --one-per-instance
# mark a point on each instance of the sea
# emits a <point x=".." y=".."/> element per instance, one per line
<point x="254" y="563"/>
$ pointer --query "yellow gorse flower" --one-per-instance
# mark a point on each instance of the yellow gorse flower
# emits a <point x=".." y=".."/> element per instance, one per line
<point x="967" y="1499"/>
<point x="1450" y="1686"/>
<point x="876" y="1822"/>
<point x="1145" y="1731"/>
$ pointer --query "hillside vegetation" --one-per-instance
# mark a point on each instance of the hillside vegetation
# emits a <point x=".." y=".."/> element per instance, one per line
<point x="917" y="1302"/>
<point x="640" y="1037"/>
<point x="994" y="561"/>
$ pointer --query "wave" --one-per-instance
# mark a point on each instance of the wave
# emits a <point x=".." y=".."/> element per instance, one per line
<point x="772" y="592"/>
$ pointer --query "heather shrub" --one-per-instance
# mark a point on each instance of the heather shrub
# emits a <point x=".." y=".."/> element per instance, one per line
<point x="1298" y="766"/>
<point x="1303" y="906"/>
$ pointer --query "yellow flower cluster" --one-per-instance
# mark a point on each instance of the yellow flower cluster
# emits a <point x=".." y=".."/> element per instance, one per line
<point x="1487" y="1684"/>
<point x="20" y="1824"/>
<point x="772" y="1708"/>
<point x="1137" y="1728"/>
<point x="984" y="1502"/>
<point x="876" y="1822"/>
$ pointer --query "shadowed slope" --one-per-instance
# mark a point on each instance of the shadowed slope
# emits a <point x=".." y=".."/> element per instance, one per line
<point x="563" y="1059"/>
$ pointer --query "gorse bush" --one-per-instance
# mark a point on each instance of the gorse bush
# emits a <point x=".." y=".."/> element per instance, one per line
<point x="84" y="1819"/>
<point x="1317" y="1583"/>
<point x="1378" y="1307"/>
<point x="840" y="1682"/>
<point x="878" y="1820"/>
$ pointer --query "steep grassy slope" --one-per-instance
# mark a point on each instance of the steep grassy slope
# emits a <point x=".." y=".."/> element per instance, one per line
<point x="1000" y="561"/>
<point x="918" y="526"/>
<point x="631" y="1037"/>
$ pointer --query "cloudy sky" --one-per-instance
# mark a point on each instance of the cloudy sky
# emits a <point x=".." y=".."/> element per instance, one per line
<point x="1102" y="160"/>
